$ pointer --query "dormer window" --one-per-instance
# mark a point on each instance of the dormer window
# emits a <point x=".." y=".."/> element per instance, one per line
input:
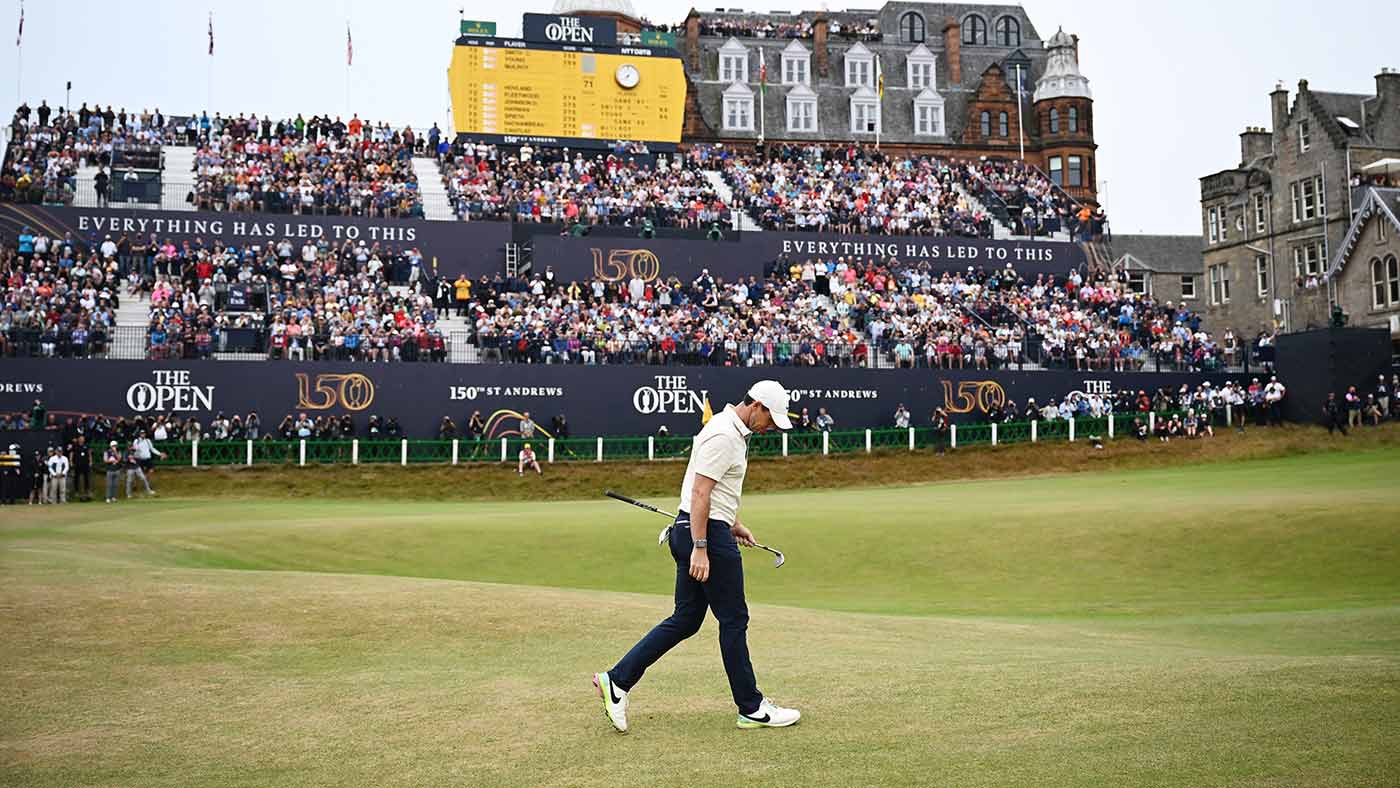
<point x="865" y="111"/>
<point x="911" y="28"/>
<point x="928" y="114"/>
<point x="920" y="68"/>
<point x="738" y="108"/>
<point x="733" y="62"/>
<point x="860" y="67"/>
<point x="797" y="64"/>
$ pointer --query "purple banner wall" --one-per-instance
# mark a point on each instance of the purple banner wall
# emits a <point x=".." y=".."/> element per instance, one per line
<point x="598" y="400"/>
<point x="474" y="248"/>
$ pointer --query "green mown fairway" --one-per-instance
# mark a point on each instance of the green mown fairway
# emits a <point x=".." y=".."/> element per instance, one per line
<point x="1217" y="625"/>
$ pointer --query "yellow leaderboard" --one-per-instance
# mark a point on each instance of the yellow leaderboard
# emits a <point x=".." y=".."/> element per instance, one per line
<point x="512" y="91"/>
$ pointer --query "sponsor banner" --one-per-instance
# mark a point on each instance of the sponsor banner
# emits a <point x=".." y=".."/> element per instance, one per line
<point x="598" y="400"/>
<point x="570" y="29"/>
<point x="474" y="248"/>
<point x="472" y="27"/>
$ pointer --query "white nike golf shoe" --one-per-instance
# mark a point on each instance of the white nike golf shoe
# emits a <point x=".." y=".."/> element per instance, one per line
<point x="614" y="701"/>
<point x="770" y="715"/>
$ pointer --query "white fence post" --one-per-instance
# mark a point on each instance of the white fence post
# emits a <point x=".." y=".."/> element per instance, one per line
<point x="994" y="433"/>
<point x="403" y="451"/>
<point x="1152" y="422"/>
<point x="651" y="448"/>
<point x="194" y="454"/>
<point x="249" y="459"/>
<point x="551" y="450"/>
<point x="826" y="442"/>
<point x="1035" y="436"/>
<point x="867" y="441"/>
<point x="503" y="449"/>
<point x="600" y="448"/>
<point x="785" y="437"/>
<point x="952" y="436"/>
<point x="454" y="451"/>
<point x="301" y="457"/>
<point x="355" y="451"/>
<point x="911" y="439"/>
<point x="1071" y="429"/>
<point x="1229" y="415"/>
<point x="1110" y="426"/>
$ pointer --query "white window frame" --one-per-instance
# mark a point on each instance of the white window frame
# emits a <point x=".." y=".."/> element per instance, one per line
<point x="1139" y="282"/>
<point x="1380" y="229"/>
<point x="920" y="63"/>
<point x="1261" y="274"/>
<point x="1307" y="260"/>
<point x="733" y="62"/>
<point x="740" y="98"/>
<point x="1304" y="136"/>
<point x="1224" y="282"/>
<point x="861" y="110"/>
<point x="1295" y="192"/>
<point x="797" y="64"/>
<point x="1212" y="225"/>
<point x="1224" y="224"/>
<point x="1392" y="279"/>
<point x="859" y="67"/>
<point x="1052" y="168"/>
<point x="1188" y="286"/>
<point x="1309" y="199"/>
<point x="1214" y="274"/>
<point x="929" y="104"/>
<point x="1378" y="283"/>
<point x="1070" y="165"/>
<point x="1260" y="215"/>
<point x="802" y="110"/>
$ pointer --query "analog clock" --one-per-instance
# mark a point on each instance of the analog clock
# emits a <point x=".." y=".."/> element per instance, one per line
<point x="628" y="76"/>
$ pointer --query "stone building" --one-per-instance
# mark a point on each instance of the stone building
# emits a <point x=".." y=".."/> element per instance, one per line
<point x="1272" y="224"/>
<point x="1365" y="271"/>
<point x="936" y="78"/>
<point x="1166" y="267"/>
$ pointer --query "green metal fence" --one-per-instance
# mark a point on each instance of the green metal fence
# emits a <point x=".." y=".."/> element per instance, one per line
<point x="549" y="450"/>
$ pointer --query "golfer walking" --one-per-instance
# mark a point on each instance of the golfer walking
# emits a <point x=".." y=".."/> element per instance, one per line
<point x="705" y="541"/>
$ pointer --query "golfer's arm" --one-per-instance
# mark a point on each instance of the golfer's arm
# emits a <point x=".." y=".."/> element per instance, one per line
<point x="700" y="506"/>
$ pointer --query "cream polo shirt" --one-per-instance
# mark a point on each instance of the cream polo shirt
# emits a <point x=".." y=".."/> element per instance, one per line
<point x="720" y="452"/>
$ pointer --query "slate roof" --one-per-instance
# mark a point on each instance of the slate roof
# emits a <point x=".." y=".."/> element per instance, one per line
<point x="1163" y="254"/>
<point x="1384" y="205"/>
<point x="897" y="110"/>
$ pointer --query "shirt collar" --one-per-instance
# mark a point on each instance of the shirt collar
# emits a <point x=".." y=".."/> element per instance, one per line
<point x="744" y="431"/>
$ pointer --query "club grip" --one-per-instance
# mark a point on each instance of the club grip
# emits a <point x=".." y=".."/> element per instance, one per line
<point x="619" y="496"/>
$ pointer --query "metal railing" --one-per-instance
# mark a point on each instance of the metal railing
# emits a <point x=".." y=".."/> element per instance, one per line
<point x="460" y="451"/>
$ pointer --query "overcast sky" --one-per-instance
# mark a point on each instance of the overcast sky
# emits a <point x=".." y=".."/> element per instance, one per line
<point x="1174" y="82"/>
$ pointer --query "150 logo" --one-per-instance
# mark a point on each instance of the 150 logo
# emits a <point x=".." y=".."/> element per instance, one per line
<point x="351" y="391"/>
<point x="626" y="263"/>
<point x="981" y="395"/>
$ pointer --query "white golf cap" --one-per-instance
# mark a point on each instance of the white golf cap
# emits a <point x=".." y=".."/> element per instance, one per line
<point x="775" y="398"/>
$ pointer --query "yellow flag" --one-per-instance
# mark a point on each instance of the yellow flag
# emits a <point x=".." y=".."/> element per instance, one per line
<point x="707" y="413"/>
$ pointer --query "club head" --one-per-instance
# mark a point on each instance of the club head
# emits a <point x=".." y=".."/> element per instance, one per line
<point x="777" y="562"/>
<point x="663" y="536"/>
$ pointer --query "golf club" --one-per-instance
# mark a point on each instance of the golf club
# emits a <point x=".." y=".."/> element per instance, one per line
<point x="778" y="561"/>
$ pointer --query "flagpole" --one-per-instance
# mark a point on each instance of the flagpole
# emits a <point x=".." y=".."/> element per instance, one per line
<point x="209" y="87"/>
<point x="762" y="95"/>
<point x="19" y="56"/>
<point x="879" y="100"/>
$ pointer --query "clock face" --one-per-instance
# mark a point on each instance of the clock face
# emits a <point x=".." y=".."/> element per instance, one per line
<point x="628" y="76"/>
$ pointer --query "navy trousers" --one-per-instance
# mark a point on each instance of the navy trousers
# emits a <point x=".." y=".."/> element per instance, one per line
<point x="723" y="593"/>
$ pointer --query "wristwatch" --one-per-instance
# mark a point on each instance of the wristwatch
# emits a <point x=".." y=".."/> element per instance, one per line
<point x="702" y="543"/>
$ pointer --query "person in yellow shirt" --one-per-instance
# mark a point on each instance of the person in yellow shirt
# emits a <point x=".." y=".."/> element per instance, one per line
<point x="463" y="288"/>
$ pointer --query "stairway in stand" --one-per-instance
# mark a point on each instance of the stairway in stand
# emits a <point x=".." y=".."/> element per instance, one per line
<point x="437" y="206"/>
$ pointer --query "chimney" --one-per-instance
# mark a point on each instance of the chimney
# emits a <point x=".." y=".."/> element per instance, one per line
<point x="692" y="41"/>
<point x="1278" y="100"/>
<point x="1388" y="86"/>
<point x="1254" y="142"/>
<point x="1076" y="47"/>
<point x="819" y="26"/>
<point x="952" y="45"/>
